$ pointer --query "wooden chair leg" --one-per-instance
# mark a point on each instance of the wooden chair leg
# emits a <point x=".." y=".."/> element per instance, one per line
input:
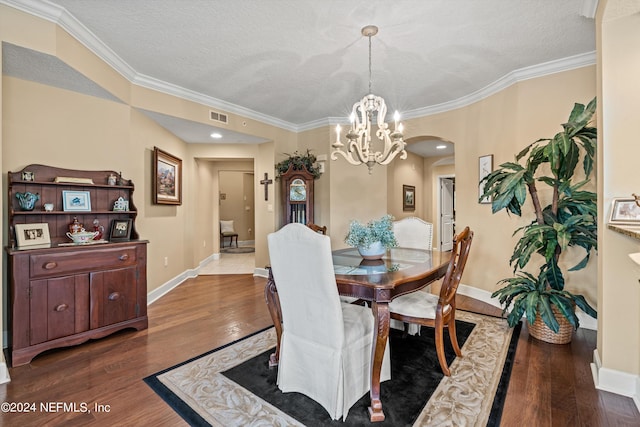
<point x="440" y="351"/>
<point x="454" y="337"/>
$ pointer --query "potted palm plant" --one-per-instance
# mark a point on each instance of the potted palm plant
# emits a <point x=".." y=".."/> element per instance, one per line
<point x="373" y="238"/>
<point x="567" y="219"/>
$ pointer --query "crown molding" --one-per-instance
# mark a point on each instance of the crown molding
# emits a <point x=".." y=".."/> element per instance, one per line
<point x="522" y="74"/>
<point x="53" y="13"/>
<point x="190" y="95"/>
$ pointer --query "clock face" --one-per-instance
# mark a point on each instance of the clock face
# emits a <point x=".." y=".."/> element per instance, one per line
<point x="298" y="191"/>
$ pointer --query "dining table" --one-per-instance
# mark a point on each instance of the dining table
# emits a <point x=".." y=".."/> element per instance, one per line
<point x="377" y="282"/>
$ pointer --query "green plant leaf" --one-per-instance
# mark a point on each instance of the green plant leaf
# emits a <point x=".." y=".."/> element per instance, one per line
<point x="544" y="309"/>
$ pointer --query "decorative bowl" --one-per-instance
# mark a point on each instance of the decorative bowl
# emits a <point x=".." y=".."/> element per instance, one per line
<point x="82" y="236"/>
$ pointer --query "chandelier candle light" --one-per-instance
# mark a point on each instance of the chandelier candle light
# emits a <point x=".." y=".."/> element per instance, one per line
<point x="358" y="146"/>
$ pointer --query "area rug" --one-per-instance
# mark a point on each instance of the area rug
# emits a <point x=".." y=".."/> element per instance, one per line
<point x="238" y="250"/>
<point x="233" y="385"/>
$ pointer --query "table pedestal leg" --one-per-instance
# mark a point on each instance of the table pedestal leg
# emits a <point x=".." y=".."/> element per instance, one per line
<point x="273" y="304"/>
<point x="381" y="331"/>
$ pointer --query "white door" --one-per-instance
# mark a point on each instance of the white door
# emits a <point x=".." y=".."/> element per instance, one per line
<point x="447" y="213"/>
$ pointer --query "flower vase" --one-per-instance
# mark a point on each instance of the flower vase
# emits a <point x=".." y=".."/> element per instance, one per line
<point x="374" y="251"/>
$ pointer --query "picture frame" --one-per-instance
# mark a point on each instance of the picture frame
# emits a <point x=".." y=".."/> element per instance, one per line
<point x="76" y="201"/>
<point x="120" y="230"/>
<point x="33" y="235"/>
<point x="485" y="167"/>
<point x="408" y="198"/>
<point x="624" y="211"/>
<point x="167" y="178"/>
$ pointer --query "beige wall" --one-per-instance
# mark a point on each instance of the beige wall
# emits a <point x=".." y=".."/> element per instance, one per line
<point x="406" y="172"/>
<point x="618" y="176"/>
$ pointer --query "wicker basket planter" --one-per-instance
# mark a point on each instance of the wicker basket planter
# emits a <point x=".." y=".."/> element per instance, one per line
<point x="542" y="332"/>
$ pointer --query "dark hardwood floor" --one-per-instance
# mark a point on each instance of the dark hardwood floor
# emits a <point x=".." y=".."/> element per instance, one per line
<point x="550" y="385"/>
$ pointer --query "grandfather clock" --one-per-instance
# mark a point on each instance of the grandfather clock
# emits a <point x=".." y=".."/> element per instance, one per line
<point x="297" y="195"/>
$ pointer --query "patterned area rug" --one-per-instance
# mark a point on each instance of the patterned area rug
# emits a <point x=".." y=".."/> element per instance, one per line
<point x="233" y="386"/>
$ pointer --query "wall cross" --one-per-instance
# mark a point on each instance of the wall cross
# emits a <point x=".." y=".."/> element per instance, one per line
<point x="266" y="181"/>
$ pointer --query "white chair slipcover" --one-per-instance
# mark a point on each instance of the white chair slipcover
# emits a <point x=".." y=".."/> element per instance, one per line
<point x="413" y="232"/>
<point x="325" y="350"/>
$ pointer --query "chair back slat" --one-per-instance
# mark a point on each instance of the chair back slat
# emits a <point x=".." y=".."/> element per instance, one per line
<point x="459" y="255"/>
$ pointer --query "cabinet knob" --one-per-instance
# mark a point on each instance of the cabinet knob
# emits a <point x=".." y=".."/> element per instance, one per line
<point x="114" y="296"/>
<point x="50" y="265"/>
<point x="61" y="307"/>
<point x="124" y="257"/>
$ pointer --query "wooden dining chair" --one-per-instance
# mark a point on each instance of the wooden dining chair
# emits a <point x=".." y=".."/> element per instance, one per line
<point x="325" y="347"/>
<point x="439" y="312"/>
<point x="317" y="228"/>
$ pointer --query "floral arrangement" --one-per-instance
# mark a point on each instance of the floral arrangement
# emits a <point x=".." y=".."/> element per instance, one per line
<point x="299" y="161"/>
<point x="363" y="235"/>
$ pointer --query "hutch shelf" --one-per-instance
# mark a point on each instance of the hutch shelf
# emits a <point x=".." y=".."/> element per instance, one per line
<point x="64" y="294"/>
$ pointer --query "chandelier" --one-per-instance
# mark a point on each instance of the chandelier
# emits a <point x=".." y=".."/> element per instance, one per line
<point x="358" y="149"/>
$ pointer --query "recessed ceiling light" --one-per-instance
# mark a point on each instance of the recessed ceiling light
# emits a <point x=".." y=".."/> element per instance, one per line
<point x="441" y="146"/>
<point x="216" y="135"/>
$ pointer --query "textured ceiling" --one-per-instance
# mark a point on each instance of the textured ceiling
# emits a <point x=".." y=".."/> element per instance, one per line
<point x="303" y="63"/>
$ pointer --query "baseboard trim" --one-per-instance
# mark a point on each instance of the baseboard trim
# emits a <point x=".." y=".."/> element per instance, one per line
<point x="613" y="381"/>
<point x="261" y="272"/>
<point x="164" y="289"/>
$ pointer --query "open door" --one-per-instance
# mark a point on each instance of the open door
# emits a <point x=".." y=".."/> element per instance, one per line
<point x="447" y="213"/>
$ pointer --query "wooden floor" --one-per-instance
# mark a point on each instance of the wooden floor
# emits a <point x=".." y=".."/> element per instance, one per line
<point x="550" y="385"/>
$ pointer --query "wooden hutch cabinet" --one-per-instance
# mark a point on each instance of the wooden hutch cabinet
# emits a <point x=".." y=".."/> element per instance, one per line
<point x="65" y="293"/>
<point x="297" y="194"/>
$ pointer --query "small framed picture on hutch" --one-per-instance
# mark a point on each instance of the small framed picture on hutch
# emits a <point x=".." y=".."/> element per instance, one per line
<point x="167" y="178"/>
<point x="625" y="212"/>
<point x="76" y="201"/>
<point x="31" y="236"/>
<point x="120" y="230"/>
<point x="408" y="198"/>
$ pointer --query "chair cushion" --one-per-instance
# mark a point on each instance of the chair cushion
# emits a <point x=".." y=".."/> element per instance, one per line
<point x="226" y="227"/>
<point x="416" y="304"/>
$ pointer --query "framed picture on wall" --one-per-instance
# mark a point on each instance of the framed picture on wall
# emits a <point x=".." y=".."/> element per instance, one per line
<point x="485" y="167"/>
<point x="408" y="198"/>
<point x="167" y="178"/>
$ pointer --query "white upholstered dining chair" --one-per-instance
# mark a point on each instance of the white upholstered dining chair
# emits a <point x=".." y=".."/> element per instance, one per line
<point x="439" y="312"/>
<point x="325" y="350"/>
<point x="413" y="232"/>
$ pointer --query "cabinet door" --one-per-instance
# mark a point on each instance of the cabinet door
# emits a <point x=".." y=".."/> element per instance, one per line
<point x="59" y="307"/>
<point x="113" y="296"/>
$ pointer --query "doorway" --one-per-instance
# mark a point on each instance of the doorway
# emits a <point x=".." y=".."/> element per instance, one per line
<point x="447" y="214"/>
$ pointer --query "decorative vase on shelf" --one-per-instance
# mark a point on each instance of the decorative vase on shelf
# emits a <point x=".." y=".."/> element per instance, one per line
<point x="374" y="251"/>
<point x="27" y="201"/>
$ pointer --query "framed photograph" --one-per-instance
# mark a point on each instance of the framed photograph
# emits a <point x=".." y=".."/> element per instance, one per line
<point x="167" y="178"/>
<point x="76" y="201"/>
<point x="485" y="167"/>
<point x="408" y="198"/>
<point x="120" y="230"/>
<point x="33" y="235"/>
<point x="625" y="211"/>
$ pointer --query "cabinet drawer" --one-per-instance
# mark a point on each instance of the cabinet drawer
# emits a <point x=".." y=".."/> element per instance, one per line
<point x="58" y="264"/>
